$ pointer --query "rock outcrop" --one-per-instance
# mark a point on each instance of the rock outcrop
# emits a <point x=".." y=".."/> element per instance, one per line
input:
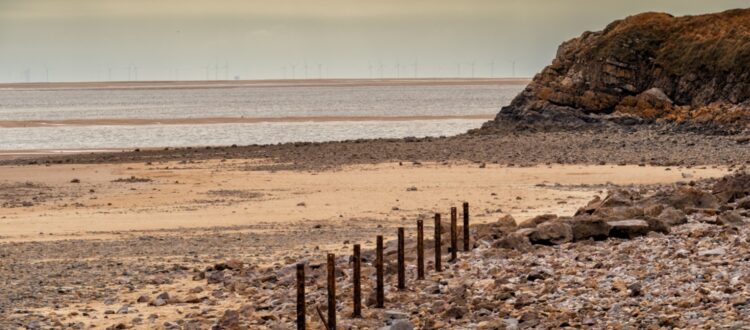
<point x="684" y="72"/>
<point x="627" y="213"/>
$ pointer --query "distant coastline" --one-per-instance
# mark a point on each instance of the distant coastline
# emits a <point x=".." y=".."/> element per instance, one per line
<point x="263" y="83"/>
<point x="222" y="120"/>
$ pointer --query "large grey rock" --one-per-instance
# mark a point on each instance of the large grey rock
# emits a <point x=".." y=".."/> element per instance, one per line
<point x="628" y="228"/>
<point x="590" y="228"/>
<point x="672" y="217"/>
<point x="554" y="232"/>
<point x="731" y="218"/>
<point x="535" y="221"/>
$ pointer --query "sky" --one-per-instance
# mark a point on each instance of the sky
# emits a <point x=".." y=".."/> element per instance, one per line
<point x="96" y="40"/>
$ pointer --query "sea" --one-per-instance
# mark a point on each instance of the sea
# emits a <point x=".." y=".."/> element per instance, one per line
<point x="423" y="104"/>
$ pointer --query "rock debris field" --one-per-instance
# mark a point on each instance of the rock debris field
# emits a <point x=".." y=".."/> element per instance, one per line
<point x="651" y="257"/>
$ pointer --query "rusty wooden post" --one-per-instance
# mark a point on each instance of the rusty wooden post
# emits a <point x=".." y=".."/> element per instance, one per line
<point x="380" y="293"/>
<point x="300" y="296"/>
<point x="420" y="250"/>
<point x="467" y="246"/>
<point x="438" y="252"/>
<point x="357" y="284"/>
<point x="454" y="234"/>
<point x="401" y="265"/>
<point x="331" y="291"/>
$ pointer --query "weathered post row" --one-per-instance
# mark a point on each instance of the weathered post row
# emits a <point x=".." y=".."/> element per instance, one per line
<point x="380" y="285"/>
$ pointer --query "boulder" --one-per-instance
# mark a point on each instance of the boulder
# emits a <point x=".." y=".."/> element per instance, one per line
<point x="628" y="228"/>
<point x="657" y="225"/>
<point x="591" y="207"/>
<point x="730" y="218"/>
<point x="690" y="197"/>
<point x="518" y="240"/>
<point x="731" y="188"/>
<point x="552" y="233"/>
<point x="744" y="203"/>
<point x="587" y="228"/>
<point x="506" y="221"/>
<point x="535" y="221"/>
<point x="620" y="212"/>
<point x="672" y="217"/>
<point x="230" y="320"/>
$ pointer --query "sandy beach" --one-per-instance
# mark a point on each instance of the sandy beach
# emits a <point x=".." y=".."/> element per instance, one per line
<point x="42" y="203"/>
<point x="148" y="215"/>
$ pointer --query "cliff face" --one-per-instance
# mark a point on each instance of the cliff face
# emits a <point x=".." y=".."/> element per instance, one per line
<point x="649" y="68"/>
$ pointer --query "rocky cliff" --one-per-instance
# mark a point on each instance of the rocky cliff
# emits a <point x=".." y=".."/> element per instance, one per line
<point x="691" y="71"/>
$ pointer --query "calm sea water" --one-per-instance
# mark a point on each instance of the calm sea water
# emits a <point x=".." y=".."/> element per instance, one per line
<point x="242" y="102"/>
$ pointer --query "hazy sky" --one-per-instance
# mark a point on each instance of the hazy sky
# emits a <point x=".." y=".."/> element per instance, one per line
<point x="83" y="40"/>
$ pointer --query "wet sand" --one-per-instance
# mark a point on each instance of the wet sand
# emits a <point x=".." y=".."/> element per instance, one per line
<point x="224" y="120"/>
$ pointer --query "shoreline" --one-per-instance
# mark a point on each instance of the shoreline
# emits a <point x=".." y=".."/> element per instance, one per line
<point x="223" y="120"/>
<point x="192" y="84"/>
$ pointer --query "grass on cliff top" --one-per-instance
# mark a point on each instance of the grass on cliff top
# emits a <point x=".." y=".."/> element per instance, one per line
<point x="681" y="45"/>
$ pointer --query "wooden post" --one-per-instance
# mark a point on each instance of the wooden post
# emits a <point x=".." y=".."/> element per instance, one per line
<point x="454" y="234"/>
<point x="380" y="294"/>
<point x="300" y="296"/>
<point x="438" y="252"/>
<point x="357" y="283"/>
<point x="401" y="266"/>
<point x="467" y="245"/>
<point x="331" y="291"/>
<point x="420" y="250"/>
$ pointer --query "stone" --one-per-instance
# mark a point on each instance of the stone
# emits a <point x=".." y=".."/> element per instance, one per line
<point x="628" y="228"/>
<point x="744" y="203"/>
<point x="552" y="233"/>
<point x="123" y="310"/>
<point x="454" y="312"/>
<point x="516" y="240"/>
<point x="535" y="221"/>
<point x="508" y="221"/>
<point x="230" y="319"/>
<point x="731" y="218"/>
<point x="690" y="197"/>
<point x="712" y="253"/>
<point x="158" y="302"/>
<point x="395" y="315"/>
<point x="234" y="264"/>
<point x="215" y="277"/>
<point x="620" y="212"/>
<point x="672" y="217"/>
<point x="588" y="228"/>
<point x="657" y="225"/>
<point x="401" y="325"/>
<point x="732" y="188"/>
